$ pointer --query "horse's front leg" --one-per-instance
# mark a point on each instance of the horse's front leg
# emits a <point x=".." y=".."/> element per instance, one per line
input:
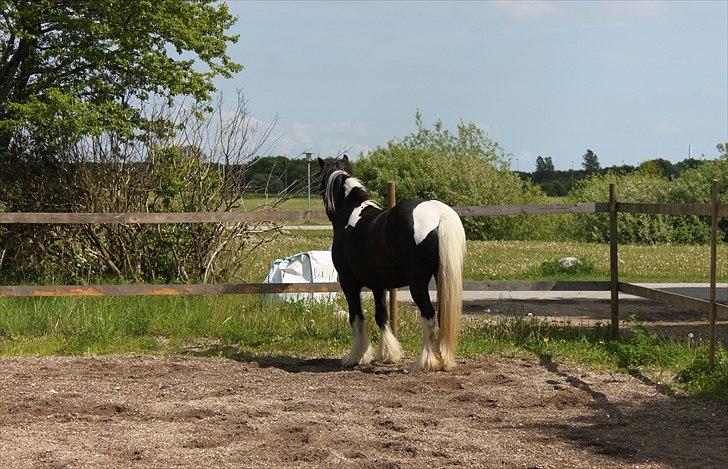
<point x="361" y="350"/>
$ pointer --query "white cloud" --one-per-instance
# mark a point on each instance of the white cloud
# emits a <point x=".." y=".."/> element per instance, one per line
<point x="523" y="161"/>
<point x="529" y="10"/>
<point x="328" y="139"/>
<point x="613" y="11"/>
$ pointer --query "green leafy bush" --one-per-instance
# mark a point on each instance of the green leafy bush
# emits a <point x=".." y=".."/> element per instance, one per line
<point x="463" y="168"/>
<point x="641" y="186"/>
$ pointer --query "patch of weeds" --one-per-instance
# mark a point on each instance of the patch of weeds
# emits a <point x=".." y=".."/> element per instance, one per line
<point x="579" y="267"/>
<point x="702" y="380"/>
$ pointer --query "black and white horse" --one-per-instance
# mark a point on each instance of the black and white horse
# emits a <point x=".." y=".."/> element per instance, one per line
<point x="382" y="249"/>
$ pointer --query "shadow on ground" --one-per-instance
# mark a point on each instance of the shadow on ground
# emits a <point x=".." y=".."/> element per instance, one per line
<point x="289" y="364"/>
<point x="680" y="432"/>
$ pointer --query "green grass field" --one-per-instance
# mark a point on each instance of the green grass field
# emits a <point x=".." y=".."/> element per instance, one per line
<point x="256" y="202"/>
<point x="519" y="260"/>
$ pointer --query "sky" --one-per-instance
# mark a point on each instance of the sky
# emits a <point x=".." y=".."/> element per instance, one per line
<point x="629" y="80"/>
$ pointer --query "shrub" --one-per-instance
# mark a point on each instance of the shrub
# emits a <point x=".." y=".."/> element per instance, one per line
<point x="195" y="169"/>
<point x="693" y="186"/>
<point x="640" y="186"/>
<point x="467" y="168"/>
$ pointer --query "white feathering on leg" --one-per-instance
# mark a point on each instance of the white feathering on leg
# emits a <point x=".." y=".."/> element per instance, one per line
<point x="388" y="349"/>
<point x="427" y="361"/>
<point x="361" y="350"/>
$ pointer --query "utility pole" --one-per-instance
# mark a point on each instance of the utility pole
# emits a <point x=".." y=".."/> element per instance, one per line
<point x="308" y="164"/>
<point x="572" y="174"/>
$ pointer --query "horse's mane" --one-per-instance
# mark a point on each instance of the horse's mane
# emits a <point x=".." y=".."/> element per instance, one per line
<point x="330" y="183"/>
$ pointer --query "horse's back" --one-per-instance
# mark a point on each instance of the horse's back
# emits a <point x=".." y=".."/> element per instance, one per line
<point x="393" y="247"/>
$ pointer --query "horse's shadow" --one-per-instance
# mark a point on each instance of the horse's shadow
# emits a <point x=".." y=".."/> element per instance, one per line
<point x="290" y="364"/>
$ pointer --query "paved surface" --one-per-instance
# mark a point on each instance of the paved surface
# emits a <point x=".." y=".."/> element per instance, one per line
<point x="697" y="290"/>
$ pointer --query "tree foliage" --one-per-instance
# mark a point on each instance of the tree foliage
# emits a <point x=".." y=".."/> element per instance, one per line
<point x="463" y="168"/>
<point x="105" y="106"/>
<point x="649" y="185"/>
<point x="544" y="169"/>
<point x="590" y="162"/>
<point x="80" y="67"/>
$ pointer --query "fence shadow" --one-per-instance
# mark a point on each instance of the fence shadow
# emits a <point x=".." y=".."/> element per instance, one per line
<point x="679" y="432"/>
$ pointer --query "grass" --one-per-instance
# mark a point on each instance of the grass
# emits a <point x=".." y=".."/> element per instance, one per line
<point x="294" y="203"/>
<point x="521" y="260"/>
<point x="245" y="324"/>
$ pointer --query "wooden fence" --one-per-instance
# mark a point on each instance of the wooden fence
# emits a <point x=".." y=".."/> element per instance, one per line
<point x="714" y="210"/>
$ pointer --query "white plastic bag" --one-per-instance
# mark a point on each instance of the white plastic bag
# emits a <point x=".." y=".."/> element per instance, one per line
<point x="304" y="267"/>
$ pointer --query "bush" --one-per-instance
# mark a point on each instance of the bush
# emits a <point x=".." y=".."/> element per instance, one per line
<point x="640" y="186"/>
<point x="195" y="169"/>
<point x="467" y="168"/>
<point x="694" y="185"/>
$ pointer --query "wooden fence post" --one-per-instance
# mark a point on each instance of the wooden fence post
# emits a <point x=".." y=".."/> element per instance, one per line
<point x="613" y="259"/>
<point x="391" y="200"/>
<point x="713" y="266"/>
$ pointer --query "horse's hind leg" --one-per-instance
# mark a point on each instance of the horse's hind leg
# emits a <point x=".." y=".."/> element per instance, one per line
<point x="361" y="350"/>
<point x="428" y="359"/>
<point x="388" y="349"/>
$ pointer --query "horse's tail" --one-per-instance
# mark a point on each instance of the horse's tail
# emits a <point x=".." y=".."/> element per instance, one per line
<point x="451" y="246"/>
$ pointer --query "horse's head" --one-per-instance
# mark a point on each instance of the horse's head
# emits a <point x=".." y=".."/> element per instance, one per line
<point x="329" y="165"/>
<point x="328" y="188"/>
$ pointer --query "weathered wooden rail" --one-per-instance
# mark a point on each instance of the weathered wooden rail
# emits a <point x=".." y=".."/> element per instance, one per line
<point x="714" y="210"/>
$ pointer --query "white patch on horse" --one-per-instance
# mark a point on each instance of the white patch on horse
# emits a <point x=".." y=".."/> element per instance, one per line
<point x="350" y="183"/>
<point x="426" y="217"/>
<point x="356" y="213"/>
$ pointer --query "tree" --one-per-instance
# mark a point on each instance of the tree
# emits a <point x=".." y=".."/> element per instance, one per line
<point x="72" y="68"/>
<point x="463" y="168"/>
<point x="105" y="106"/>
<point x="658" y="166"/>
<point x="590" y="162"/>
<point x="544" y="169"/>
<point x="722" y="150"/>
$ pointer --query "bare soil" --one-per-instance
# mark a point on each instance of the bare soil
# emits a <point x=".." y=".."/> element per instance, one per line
<point x="129" y="411"/>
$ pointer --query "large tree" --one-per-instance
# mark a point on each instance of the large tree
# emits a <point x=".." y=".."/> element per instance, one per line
<point x="80" y="67"/>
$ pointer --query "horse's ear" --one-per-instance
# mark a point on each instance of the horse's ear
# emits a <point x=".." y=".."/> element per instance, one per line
<point x="321" y="162"/>
<point x="345" y="158"/>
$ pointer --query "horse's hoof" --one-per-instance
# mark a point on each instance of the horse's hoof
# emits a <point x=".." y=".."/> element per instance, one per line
<point x="350" y="360"/>
<point x="427" y="361"/>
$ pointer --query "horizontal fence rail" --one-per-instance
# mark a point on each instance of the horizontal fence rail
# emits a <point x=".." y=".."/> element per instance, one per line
<point x="263" y="288"/>
<point x="671" y="209"/>
<point x="675" y="299"/>
<point x="532" y="209"/>
<point x="319" y="215"/>
<point x="180" y="217"/>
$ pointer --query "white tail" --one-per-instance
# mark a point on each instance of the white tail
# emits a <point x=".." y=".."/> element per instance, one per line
<point x="451" y="240"/>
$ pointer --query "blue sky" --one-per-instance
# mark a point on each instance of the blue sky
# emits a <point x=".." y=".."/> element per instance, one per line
<point x="630" y="80"/>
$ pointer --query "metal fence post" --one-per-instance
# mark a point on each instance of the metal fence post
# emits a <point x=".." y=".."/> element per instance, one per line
<point x="613" y="259"/>
<point x="713" y="267"/>
<point x="391" y="200"/>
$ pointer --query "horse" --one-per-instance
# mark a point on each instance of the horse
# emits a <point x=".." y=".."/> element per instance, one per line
<point x="381" y="249"/>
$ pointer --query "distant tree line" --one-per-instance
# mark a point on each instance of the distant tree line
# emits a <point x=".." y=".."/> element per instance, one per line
<point x="560" y="183"/>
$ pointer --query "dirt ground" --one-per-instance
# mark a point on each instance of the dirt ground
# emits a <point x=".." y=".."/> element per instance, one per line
<point x="245" y="411"/>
